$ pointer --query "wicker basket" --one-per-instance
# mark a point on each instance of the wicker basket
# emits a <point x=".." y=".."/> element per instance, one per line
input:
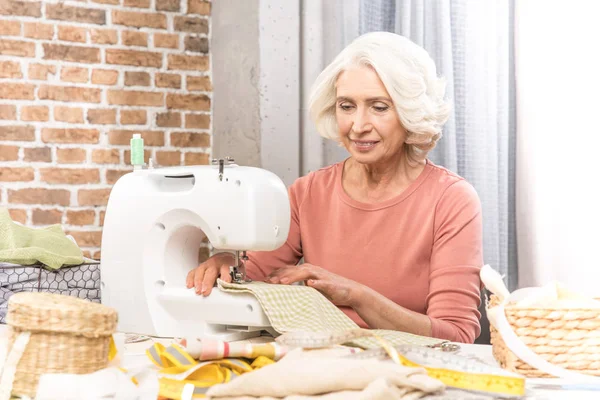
<point x="568" y="338"/>
<point x="68" y="335"/>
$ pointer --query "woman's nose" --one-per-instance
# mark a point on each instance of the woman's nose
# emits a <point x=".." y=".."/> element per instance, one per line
<point x="361" y="122"/>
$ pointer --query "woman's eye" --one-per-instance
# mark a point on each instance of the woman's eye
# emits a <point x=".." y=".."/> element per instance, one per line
<point x="346" y="107"/>
<point x="380" y="108"/>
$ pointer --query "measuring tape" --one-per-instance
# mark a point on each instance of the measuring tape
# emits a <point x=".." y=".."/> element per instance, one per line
<point x="453" y="370"/>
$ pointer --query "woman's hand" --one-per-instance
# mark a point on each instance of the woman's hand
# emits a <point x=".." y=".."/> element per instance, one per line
<point x="204" y="276"/>
<point x="339" y="290"/>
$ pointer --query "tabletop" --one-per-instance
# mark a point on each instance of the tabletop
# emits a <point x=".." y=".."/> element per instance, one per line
<point x="537" y="389"/>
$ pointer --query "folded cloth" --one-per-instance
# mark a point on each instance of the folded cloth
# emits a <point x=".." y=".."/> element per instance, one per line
<point x="26" y="246"/>
<point x="301" y="374"/>
<point x="293" y="308"/>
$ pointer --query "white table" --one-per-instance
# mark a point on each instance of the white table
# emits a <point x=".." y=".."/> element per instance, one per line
<point x="134" y="355"/>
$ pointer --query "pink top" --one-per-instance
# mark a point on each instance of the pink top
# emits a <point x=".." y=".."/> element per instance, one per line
<point x="421" y="249"/>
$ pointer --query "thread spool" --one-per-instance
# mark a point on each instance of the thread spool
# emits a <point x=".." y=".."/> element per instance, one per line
<point x="136" y="145"/>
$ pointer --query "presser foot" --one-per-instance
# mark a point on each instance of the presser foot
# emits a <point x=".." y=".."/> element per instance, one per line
<point x="237" y="275"/>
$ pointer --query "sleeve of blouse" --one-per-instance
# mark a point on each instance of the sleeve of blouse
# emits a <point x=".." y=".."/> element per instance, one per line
<point x="262" y="263"/>
<point x="456" y="258"/>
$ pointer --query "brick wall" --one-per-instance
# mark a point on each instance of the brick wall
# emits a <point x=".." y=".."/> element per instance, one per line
<point x="77" y="79"/>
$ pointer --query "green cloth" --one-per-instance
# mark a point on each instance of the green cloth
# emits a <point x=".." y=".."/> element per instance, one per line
<point x="302" y="308"/>
<point x="26" y="246"/>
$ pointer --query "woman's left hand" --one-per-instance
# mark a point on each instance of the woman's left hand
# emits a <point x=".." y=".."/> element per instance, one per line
<point x="339" y="290"/>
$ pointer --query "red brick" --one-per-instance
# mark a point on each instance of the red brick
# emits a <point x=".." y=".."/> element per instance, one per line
<point x="127" y="156"/>
<point x="122" y="137"/>
<point x="10" y="69"/>
<point x="97" y="255"/>
<point x="76" y="135"/>
<point x="74" y="74"/>
<point x="17" y="133"/>
<point x="87" y="238"/>
<point x="105" y="77"/>
<point x="134" y="38"/>
<point x="137" y="78"/>
<point x="196" y="44"/>
<point x="21" y="8"/>
<point x="200" y="83"/>
<point x="73" y="176"/>
<point x="17" y="48"/>
<point x="103" y="156"/>
<point x="18" y="215"/>
<point x="133" y="117"/>
<point x="136" y="3"/>
<point x="195" y="102"/>
<point x="113" y="175"/>
<point x="168" y="119"/>
<point x="187" y="63"/>
<point x="190" y="139"/>
<point x="70" y="156"/>
<point x="135" y="98"/>
<point x="16" y="174"/>
<point x="46" y="217"/>
<point x="167" y="80"/>
<point x="197" y="121"/>
<point x="101" y="216"/>
<point x="168" y="5"/>
<point x="93" y="197"/>
<point x="80" y="217"/>
<point x="8" y="111"/>
<point x="60" y="197"/>
<point x="40" y="71"/>
<point x="10" y="28"/>
<point x="191" y="24"/>
<point x="68" y="114"/>
<point x="102" y="116"/>
<point x="9" y="153"/>
<point x="38" y="30"/>
<point x="196" y="159"/>
<point x="69" y="93"/>
<point x="75" y="14"/>
<point x="113" y="2"/>
<point x="38" y="154"/>
<point x="168" y="158"/>
<point x="139" y="20"/>
<point x="71" y="53"/>
<point x="134" y="57"/>
<point x="16" y="91"/>
<point x="166" y="40"/>
<point x="34" y="113"/>
<point x="103" y="36"/>
<point x="72" y="34"/>
<point x="199" y="7"/>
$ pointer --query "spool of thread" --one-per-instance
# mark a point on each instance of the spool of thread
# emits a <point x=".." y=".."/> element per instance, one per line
<point x="137" y="151"/>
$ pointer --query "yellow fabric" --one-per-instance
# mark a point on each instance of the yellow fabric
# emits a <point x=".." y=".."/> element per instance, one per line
<point x="26" y="246"/>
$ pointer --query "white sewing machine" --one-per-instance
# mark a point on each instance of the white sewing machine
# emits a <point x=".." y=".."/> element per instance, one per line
<point x="155" y="222"/>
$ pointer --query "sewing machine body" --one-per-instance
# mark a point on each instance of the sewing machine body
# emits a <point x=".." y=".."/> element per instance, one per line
<point x="155" y="223"/>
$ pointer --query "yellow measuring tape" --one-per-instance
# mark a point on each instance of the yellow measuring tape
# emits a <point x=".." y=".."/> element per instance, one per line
<point x="490" y="383"/>
<point x="178" y="370"/>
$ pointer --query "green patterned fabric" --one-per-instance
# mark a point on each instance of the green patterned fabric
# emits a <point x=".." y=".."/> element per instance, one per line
<point x="26" y="246"/>
<point x="293" y="308"/>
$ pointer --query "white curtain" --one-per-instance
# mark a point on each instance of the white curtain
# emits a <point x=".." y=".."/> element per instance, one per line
<point x="558" y="201"/>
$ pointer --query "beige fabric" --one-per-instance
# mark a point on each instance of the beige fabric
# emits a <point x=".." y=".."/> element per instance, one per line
<point x="311" y="375"/>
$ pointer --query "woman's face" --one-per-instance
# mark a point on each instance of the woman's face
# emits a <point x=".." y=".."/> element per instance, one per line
<point x="368" y="124"/>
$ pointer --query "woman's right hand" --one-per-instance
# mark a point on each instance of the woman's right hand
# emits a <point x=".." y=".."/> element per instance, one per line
<point x="204" y="276"/>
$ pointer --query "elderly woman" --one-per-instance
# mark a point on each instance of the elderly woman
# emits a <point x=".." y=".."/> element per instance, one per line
<point x="392" y="239"/>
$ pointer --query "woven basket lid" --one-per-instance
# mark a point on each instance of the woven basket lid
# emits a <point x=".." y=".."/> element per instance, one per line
<point x="49" y="312"/>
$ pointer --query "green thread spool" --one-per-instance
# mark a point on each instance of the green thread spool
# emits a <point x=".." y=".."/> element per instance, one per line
<point x="137" y="151"/>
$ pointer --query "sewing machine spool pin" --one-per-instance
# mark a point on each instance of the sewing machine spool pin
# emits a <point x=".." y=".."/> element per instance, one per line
<point x="222" y="162"/>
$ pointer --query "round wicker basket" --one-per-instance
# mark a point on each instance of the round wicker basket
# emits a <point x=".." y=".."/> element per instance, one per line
<point x="568" y="338"/>
<point x="68" y="335"/>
